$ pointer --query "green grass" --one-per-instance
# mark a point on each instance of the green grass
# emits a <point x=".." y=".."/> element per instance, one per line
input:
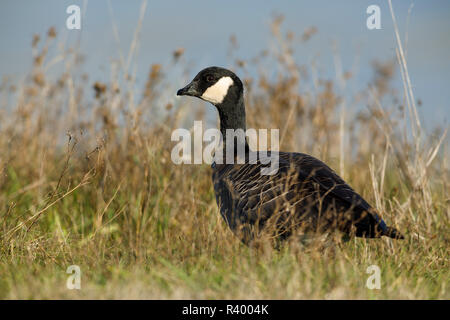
<point x="181" y="252"/>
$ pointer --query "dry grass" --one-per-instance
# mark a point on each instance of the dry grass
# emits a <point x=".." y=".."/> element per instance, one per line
<point x="87" y="179"/>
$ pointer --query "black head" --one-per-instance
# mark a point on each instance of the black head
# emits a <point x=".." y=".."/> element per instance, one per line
<point x="216" y="85"/>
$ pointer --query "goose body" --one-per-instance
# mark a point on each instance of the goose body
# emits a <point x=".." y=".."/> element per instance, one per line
<point x="303" y="195"/>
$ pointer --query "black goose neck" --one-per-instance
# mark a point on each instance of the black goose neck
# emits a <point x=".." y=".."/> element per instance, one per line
<point x="232" y="116"/>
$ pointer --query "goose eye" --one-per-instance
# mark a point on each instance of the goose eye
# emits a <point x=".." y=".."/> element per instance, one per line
<point x="209" y="78"/>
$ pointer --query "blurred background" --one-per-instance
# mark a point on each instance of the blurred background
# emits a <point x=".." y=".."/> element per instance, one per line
<point x="203" y="30"/>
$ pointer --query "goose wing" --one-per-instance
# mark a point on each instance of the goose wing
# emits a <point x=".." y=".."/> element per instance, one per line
<point x="330" y="182"/>
<point x="300" y="181"/>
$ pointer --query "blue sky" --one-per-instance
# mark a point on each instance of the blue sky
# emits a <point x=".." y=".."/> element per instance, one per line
<point x="203" y="28"/>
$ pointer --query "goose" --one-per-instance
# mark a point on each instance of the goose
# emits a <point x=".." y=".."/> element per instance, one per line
<point x="304" y="195"/>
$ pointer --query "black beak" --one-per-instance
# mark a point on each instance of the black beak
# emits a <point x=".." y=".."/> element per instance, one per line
<point x="189" y="90"/>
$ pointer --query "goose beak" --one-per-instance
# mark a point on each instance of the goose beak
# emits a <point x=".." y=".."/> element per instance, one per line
<point x="189" y="90"/>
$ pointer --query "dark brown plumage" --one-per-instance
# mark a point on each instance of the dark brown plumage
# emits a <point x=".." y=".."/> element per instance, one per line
<point x="303" y="195"/>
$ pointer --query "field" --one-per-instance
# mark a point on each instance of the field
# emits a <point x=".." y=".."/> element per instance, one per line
<point x="86" y="179"/>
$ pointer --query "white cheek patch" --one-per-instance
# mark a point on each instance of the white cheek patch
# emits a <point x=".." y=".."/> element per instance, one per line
<point x="217" y="92"/>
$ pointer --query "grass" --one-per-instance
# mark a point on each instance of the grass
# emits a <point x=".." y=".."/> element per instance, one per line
<point x="86" y="179"/>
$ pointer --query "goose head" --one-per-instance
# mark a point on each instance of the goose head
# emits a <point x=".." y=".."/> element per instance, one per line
<point x="219" y="86"/>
